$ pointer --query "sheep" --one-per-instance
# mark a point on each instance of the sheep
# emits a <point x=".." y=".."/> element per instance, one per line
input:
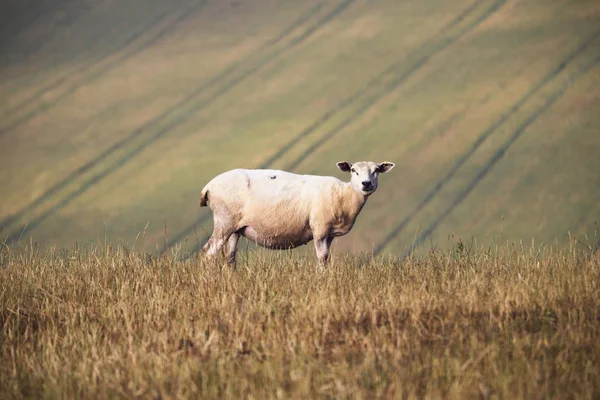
<point x="281" y="210"/>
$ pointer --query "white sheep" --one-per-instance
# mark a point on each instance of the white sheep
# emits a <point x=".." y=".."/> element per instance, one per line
<point x="280" y="210"/>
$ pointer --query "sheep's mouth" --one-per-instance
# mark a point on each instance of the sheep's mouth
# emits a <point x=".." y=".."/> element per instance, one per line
<point x="368" y="192"/>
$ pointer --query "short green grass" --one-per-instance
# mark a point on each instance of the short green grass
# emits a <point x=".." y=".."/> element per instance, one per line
<point x="257" y="74"/>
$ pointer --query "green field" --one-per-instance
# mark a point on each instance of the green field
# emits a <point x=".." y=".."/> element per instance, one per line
<point x="113" y="115"/>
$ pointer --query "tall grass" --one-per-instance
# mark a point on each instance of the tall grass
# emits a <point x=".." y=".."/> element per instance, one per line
<point x="105" y="322"/>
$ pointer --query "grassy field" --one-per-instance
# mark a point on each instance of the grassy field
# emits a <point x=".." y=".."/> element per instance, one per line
<point x="472" y="322"/>
<point x="115" y="114"/>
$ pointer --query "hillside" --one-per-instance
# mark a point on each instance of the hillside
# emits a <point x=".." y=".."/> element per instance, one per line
<point x="113" y="115"/>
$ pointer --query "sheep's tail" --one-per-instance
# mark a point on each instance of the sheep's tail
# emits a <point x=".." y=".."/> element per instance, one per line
<point x="204" y="197"/>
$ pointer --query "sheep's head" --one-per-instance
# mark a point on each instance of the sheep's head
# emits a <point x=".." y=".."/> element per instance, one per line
<point x="364" y="174"/>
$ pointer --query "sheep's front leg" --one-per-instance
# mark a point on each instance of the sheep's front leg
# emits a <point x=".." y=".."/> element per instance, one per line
<point x="322" y="246"/>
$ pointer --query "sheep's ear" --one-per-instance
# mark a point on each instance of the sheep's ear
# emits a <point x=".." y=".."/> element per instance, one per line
<point x="385" y="167"/>
<point x="344" y="166"/>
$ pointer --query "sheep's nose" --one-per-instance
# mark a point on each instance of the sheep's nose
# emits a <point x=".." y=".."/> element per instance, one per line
<point x="367" y="184"/>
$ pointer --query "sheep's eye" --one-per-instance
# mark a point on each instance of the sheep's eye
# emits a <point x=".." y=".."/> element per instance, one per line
<point x="353" y="170"/>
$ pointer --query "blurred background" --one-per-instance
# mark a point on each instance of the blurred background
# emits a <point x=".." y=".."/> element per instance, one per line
<point x="115" y="114"/>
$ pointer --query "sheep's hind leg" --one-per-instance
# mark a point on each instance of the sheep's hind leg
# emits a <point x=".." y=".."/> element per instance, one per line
<point x="207" y="245"/>
<point x="224" y="227"/>
<point x="216" y="243"/>
<point x="232" y="247"/>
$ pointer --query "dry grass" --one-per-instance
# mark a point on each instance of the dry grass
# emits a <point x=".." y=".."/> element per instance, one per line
<point x="506" y="322"/>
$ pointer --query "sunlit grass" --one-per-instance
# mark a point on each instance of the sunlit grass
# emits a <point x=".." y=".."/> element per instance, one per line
<point x="105" y="322"/>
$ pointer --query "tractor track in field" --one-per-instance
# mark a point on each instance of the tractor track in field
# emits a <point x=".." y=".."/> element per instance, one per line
<point x="323" y="118"/>
<point x="67" y="19"/>
<point x="83" y="69"/>
<point x="71" y="16"/>
<point x="497" y="155"/>
<point x="11" y="30"/>
<point x="191" y="105"/>
<point x="392" y="86"/>
<point x="129" y="50"/>
<point x="398" y="76"/>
